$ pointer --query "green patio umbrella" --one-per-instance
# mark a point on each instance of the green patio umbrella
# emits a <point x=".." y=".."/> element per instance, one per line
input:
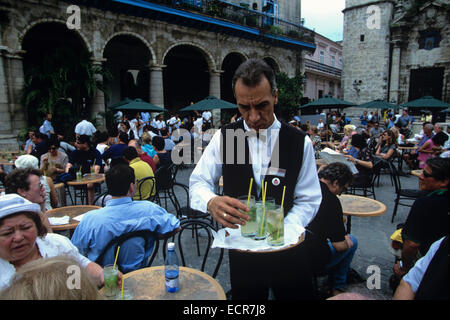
<point x="426" y="102"/>
<point x="120" y="103"/>
<point x="138" y="105"/>
<point x="378" y="104"/>
<point x="210" y="103"/>
<point x="329" y="102"/>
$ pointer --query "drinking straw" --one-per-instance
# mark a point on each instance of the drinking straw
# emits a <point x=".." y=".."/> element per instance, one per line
<point x="123" y="280"/>
<point x="264" y="189"/>
<point x="281" y="214"/>
<point x="249" y="191"/>
<point x="117" y="254"/>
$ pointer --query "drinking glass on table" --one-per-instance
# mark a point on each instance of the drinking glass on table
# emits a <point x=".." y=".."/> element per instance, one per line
<point x="249" y="230"/>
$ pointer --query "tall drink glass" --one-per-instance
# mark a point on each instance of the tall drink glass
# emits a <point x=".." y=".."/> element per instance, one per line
<point x="111" y="276"/>
<point x="261" y="217"/>
<point x="275" y="226"/>
<point x="249" y="230"/>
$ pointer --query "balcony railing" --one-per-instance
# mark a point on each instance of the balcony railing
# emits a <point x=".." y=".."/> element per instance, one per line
<point x="322" y="67"/>
<point x="240" y="14"/>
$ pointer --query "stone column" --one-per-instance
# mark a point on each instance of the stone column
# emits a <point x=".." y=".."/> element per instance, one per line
<point x="395" y="72"/>
<point x="16" y="81"/>
<point x="98" y="103"/>
<point x="5" y="124"/>
<point x="214" y="90"/>
<point x="156" y="85"/>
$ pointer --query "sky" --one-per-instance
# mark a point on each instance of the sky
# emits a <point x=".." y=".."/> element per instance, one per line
<point x="325" y="17"/>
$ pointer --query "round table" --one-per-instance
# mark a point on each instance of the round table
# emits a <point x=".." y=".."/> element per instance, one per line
<point x="417" y="173"/>
<point x="86" y="179"/>
<point x="72" y="212"/>
<point x="149" y="284"/>
<point x="359" y="206"/>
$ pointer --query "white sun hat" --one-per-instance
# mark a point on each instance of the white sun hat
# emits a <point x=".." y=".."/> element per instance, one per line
<point x="13" y="203"/>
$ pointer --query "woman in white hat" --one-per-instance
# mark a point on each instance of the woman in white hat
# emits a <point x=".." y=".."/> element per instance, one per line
<point x="23" y="238"/>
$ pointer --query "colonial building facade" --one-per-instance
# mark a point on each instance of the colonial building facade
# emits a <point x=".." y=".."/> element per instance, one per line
<point x="396" y="50"/>
<point x="323" y="70"/>
<point x="169" y="53"/>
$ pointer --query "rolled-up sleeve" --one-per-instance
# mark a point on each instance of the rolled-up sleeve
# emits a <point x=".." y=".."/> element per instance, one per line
<point x="205" y="177"/>
<point x="307" y="194"/>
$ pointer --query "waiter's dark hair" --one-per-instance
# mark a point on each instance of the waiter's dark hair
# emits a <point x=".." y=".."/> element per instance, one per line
<point x="251" y="73"/>
<point x="336" y="171"/>
<point x="118" y="179"/>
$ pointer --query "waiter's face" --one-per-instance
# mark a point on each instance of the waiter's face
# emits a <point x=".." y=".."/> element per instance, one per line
<point x="256" y="104"/>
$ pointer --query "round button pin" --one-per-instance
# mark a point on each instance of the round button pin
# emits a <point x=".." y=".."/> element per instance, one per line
<point x="275" y="181"/>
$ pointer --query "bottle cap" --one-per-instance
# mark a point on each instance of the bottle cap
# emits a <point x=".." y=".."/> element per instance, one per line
<point x="171" y="246"/>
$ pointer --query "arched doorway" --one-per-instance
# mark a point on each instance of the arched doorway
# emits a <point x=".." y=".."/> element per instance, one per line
<point x="185" y="77"/>
<point x="229" y="66"/>
<point x="57" y="70"/>
<point x="128" y="60"/>
<point x="273" y="64"/>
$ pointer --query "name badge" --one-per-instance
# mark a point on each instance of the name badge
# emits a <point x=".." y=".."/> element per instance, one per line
<point x="278" y="172"/>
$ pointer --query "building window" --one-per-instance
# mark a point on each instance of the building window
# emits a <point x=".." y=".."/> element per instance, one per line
<point x="333" y="61"/>
<point x="429" y="39"/>
<point x="322" y="56"/>
<point x="340" y="63"/>
<point x="331" y="88"/>
<point x="320" y="94"/>
<point x="361" y="38"/>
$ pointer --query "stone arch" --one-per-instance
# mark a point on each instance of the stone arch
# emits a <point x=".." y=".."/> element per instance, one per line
<point x="51" y="20"/>
<point x="229" y="64"/>
<point x="153" y="60"/>
<point x="208" y="56"/>
<point x="271" y="61"/>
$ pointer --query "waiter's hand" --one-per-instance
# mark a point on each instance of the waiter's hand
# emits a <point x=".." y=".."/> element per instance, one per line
<point x="225" y="211"/>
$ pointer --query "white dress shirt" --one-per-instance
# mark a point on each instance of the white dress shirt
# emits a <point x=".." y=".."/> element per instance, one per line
<point x="204" y="179"/>
<point x="85" y="127"/>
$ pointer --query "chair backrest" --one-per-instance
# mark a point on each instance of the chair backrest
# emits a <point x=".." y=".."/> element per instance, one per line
<point x="395" y="177"/>
<point x="165" y="177"/>
<point x="195" y="226"/>
<point x="142" y="182"/>
<point x="182" y="202"/>
<point x="101" y="199"/>
<point x="146" y="235"/>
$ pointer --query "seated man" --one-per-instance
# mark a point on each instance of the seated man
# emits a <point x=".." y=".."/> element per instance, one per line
<point x="329" y="244"/>
<point x="83" y="158"/>
<point x="122" y="215"/>
<point x="428" y="279"/>
<point x="142" y="155"/>
<point x="115" y="152"/>
<point x="428" y="218"/>
<point x="141" y="170"/>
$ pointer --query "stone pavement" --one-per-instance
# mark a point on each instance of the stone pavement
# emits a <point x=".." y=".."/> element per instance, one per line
<point x="373" y="234"/>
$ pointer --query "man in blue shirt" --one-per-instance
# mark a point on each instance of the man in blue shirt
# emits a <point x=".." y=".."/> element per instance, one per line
<point x="122" y="215"/>
<point x="364" y="119"/>
<point x="115" y="152"/>
<point x="47" y="127"/>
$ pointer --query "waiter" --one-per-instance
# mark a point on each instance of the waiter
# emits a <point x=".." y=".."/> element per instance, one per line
<point x="273" y="152"/>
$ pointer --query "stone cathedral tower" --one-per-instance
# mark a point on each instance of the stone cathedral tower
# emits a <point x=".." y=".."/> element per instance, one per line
<point x="396" y="50"/>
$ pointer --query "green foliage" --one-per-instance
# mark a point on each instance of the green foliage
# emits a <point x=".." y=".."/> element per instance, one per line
<point x="58" y="85"/>
<point x="290" y="92"/>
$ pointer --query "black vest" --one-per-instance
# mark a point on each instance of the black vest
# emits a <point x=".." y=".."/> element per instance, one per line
<point x="434" y="284"/>
<point x="236" y="176"/>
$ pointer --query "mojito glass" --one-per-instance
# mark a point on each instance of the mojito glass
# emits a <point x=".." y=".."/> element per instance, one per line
<point x="249" y="230"/>
<point x="111" y="276"/>
<point x="261" y="217"/>
<point x="275" y="226"/>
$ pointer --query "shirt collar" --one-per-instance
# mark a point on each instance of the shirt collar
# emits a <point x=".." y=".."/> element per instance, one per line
<point x="115" y="202"/>
<point x="135" y="160"/>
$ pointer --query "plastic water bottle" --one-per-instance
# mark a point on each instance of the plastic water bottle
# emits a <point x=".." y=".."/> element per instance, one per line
<point x="171" y="269"/>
